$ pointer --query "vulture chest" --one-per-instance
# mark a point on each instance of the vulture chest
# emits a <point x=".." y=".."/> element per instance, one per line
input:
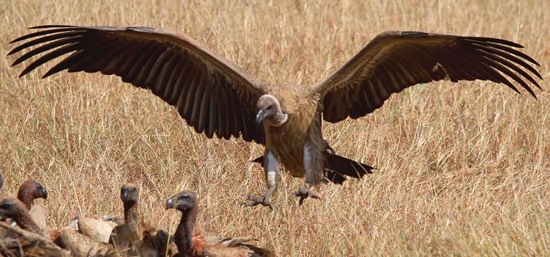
<point x="288" y="140"/>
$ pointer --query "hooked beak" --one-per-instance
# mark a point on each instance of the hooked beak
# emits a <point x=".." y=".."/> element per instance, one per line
<point x="44" y="193"/>
<point x="170" y="203"/>
<point x="260" y="117"/>
<point x="124" y="195"/>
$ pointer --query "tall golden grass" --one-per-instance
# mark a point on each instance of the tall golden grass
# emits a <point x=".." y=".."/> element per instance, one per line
<point x="462" y="169"/>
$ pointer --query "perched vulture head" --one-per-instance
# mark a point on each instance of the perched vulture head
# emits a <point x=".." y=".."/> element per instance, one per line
<point x="30" y="190"/>
<point x="129" y="193"/>
<point x="269" y="109"/>
<point x="12" y="208"/>
<point x="183" y="201"/>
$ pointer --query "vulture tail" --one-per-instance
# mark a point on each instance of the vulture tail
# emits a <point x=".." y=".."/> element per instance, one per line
<point x="259" y="160"/>
<point x="338" y="167"/>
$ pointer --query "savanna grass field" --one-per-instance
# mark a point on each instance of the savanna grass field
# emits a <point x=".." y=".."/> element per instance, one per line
<point x="461" y="169"/>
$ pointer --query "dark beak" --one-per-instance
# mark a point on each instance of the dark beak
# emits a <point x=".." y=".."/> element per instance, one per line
<point x="170" y="203"/>
<point x="124" y="195"/>
<point x="44" y="193"/>
<point x="260" y="117"/>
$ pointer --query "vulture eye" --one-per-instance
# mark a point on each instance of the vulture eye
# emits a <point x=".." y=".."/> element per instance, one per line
<point x="269" y="107"/>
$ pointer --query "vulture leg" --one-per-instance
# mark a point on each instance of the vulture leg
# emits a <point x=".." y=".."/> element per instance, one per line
<point x="305" y="192"/>
<point x="313" y="163"/>
<point x="271" y="168"/>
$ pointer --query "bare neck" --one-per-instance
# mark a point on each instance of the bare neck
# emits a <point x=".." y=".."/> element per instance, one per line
<point x="184" y="233"/>
<point x="26" y="197"/>
<point x="131" y="212"/>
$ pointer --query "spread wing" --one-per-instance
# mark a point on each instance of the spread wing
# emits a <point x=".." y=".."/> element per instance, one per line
<point x="394" y="61"/>
<point x="212" y="94"/>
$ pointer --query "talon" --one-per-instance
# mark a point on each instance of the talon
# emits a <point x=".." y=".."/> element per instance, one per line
<point x="255" y="200"/>
<point x="304" y="193"/>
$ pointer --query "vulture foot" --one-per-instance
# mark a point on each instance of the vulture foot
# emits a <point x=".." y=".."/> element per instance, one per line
<point x="255" y="200"/>
<point x="304" y="193"/>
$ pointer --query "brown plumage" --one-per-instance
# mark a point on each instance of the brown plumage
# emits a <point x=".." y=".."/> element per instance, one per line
<point x="18" y="242"/>
<point x="31" y="190"/>
<point x="30" y="240"/>
<point x="27" y="193"/>
<point x="126" y="235"/>
<point x="155" y="243"/>
<point x="135" y="237"/>
<point x="218" y="98"/>
<point x="193" y="245"/>
<point x="16" y="210"/>
<point x="345" y="165"/>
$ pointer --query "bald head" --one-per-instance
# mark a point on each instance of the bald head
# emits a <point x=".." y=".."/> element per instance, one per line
<point x="30" y="190"/>
<point x="129" y="193"/>
<point x="182" y="201"/>
<point x="268" y="109"/>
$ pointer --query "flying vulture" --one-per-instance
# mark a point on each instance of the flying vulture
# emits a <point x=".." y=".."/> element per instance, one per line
<point x="218" y="98"/>
<point x="192" y="244"/>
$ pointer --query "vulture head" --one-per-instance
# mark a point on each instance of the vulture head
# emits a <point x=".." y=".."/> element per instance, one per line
<point x="183" y="201"/>
<point x="129" y="193"/>
<point x="269" y="109"/>
<point x="30" y="190"/>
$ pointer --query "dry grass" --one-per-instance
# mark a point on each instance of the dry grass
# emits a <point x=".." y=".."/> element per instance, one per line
<point x="463" y="169"/>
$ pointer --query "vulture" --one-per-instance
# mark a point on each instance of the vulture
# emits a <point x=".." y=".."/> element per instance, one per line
<point x="67" y="238"/>
<point x="134" y="237"/>
<point x="28" y="192"/>
<point x="191" y="244"/>
<point x="219" y="98"/>
<point x="15" y="241"/>
<point x="125" y="236"/>
<point x="16" y="210"/>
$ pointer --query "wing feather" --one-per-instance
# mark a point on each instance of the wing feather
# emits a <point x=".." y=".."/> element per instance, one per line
<point x="213" y="95"/>
<point x="394" y="61"/>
